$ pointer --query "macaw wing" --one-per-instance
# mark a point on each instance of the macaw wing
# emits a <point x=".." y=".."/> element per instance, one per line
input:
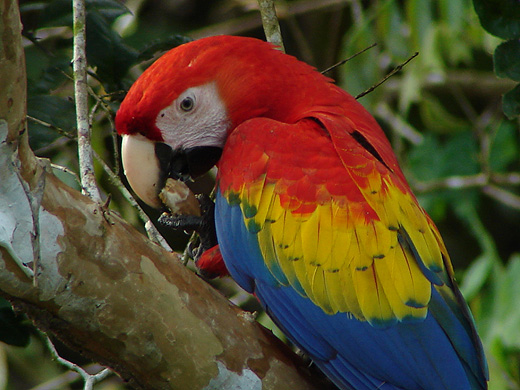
<point x="329" y="237"/>
<point x="349" y="237"/>
<point x="447" y="303"/>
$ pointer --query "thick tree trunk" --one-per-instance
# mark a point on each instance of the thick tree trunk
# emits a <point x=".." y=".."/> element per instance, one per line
<point x="84" y="274"/>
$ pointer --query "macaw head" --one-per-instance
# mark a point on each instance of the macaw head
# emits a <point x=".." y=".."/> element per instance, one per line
<point x="177" y="116"/>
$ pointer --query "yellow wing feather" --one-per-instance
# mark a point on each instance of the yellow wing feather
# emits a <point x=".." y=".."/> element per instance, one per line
<point x="342" y="260"/>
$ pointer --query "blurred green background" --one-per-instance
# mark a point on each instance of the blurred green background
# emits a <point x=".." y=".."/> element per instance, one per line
<point x="443" y="112"/>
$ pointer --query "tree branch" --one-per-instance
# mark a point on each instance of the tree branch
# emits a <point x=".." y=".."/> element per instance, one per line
<point x="106" y="291"/>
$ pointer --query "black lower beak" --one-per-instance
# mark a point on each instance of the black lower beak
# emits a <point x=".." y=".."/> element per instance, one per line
<point x="184" y="164"/>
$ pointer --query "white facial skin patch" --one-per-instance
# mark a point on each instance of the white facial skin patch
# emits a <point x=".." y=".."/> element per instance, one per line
<point x="197" y="117"/>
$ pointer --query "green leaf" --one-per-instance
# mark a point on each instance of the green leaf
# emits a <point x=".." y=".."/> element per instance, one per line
<point x="500" y="378"/>
<point x="389" y="19"/>
<point x="50" y="77"/>
<point x="466" y="211"/>
<point x="453" y="14"/>
<point x="499" y="17"/>
<point x="504" y="147"/>
<point x="511" y="102"/>
<point x="461" y="154"/>
<point x="53" y="110"/>
<point x="435" y="204"/>
<point x="419" y="15"/>
<point x="58" y="13"/>
<point x="509" y="310"/>
<point x="460" y="51"/>
<point x="110" y="9"/>
<point x="437" y="118"/>
<point x="476" y="275"/>
<point x="424" y="161"/>
<point x="148" y="52"/>
<point x="432" y="159"/>
<point x="411" y="86"/>
<point x="357" y="75"/>
<point x="107" y="51"/>
<point x="506" y="60"/>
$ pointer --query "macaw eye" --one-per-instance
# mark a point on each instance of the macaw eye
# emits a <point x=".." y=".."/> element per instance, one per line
<point x="187" y="104"/>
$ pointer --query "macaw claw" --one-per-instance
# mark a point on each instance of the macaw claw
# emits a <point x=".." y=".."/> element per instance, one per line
<point x="203" y="225"/>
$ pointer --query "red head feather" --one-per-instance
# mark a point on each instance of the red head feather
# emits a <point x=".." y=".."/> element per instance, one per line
<point x="254" y="80"/>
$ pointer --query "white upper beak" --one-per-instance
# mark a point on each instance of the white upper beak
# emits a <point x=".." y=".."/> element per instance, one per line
<point x="141" y="168"/>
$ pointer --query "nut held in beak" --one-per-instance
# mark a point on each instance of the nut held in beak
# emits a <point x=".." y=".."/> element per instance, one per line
<point x="179" y="199"/>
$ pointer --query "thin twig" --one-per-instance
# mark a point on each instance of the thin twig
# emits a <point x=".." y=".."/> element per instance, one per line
<point x="357" y="12"/>
<point x="453" y="182"/>
<point x="398" y="124"/>
<point x="86" y="163"/>
<point x="486" y="134"/>
<point x="488" y="182"/>
<point x="90" y="379"/>
<point x="503" y="196"/>
<point x="186" y="254"/>
<point x="348" y="59"/>
<point x="150" y="228"/>
<point x="510" y="178"/>
<point x="58" y="144"/>
<point x="51" y="126"/>
<point x="154" y="234"/>
<point x="93" y="110"/>
<point x="113" y="132"/>
<point x="332" y="37"/>
<point x="270" y="23"/>
<point x="66" y="379"/>
<point x="66" y="170"/>
<point x="463" y="102"/>
<point x="394" y="71"/>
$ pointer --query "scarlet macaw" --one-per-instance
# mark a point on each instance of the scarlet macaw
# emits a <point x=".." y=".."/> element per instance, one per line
<point x="313" y="213"/>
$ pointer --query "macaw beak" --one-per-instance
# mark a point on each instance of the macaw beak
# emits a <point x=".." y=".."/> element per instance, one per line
<point x="147" y="164"/>
<point x="142" y="168"/>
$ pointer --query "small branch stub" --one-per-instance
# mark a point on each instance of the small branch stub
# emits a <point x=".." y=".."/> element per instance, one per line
<point x="272" y="30"/>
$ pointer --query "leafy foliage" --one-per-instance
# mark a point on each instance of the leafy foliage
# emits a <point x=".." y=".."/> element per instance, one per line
<point x="460" y="154"/>
<point x="511" y="102"/>
<point x="502" y="19"/>
<point x="48" y="60"/>
<point x="442" y="112"/>
<point x="507" y="60"/>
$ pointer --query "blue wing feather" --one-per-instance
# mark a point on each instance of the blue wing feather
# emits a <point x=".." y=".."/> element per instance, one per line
<point x="435" y="354"/>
